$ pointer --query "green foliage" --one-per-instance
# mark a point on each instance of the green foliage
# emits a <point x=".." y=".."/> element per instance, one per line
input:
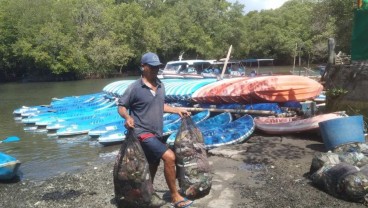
<point x="100" y="37"/>
<point x="335" y="92"/>
<point x="342" y="12"/>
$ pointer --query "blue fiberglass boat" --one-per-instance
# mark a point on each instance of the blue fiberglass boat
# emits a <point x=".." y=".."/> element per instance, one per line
<point x="119" y="125"/>
<point x="236" y="131"/>
<point x="84" y="126"/>
<point x="117" y="136"/>
<point x="26" y="111"/>
<point x="43" y="118"/>
<point x="61" y="122"/>
<point x="8" y="166"/>
<point x="183" y="89"/>
<point x="212" y="123"/>
<point x="97" y="131"/>
<point x="173" y="127"/>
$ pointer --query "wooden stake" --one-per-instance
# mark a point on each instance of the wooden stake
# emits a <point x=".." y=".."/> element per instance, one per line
<point x="259" y="112"/>
<point x="226" y="60"/>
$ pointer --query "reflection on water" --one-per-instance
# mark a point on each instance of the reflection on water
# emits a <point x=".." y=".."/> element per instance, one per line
<point x="43" y="156"/>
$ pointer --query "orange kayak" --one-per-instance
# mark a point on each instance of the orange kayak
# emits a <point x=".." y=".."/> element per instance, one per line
<point x="278" y="88"/>
<point x="287" y="88"/>
<point x="244" y="90"/>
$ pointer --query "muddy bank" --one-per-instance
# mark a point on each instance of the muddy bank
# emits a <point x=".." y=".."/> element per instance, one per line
<point x="266" y="171"/>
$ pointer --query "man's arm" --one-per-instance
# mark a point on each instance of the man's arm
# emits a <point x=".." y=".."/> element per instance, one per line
<point x="123" y="112"/>
<point x="182" y="112"/>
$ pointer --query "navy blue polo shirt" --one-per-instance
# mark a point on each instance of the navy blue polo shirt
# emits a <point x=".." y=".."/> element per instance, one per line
<point x="145" y="108"/>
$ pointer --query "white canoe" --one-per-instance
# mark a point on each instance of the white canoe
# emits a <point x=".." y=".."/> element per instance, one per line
<point x="274" y="125"/>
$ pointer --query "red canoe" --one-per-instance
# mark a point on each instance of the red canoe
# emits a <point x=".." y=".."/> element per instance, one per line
<point x="208" y="93"/>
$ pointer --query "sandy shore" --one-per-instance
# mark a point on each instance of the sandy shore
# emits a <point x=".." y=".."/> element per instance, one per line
<point x="266" y="171"/>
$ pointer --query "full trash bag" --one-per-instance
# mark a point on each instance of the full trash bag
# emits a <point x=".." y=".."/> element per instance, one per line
<point x="321" y="159"/>
<point x="329" y="177"/>
<point x="334" y="175"/>
<point x="131" y="175"/>
<point x="194" y="173"/>
<point x="355" y="158"/>
<point x="352" y="147"/>
<point x="344" y="173"/>
<point x="354" y="186"/>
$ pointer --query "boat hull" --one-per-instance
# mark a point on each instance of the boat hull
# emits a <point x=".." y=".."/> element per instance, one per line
<point x="8" y="166"/>
<point x="208" y="124"/>
<point x="294" y="124"/>
<point x="237" y="131"/>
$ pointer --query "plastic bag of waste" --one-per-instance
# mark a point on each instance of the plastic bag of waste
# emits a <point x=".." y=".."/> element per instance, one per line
<point x="355" y="158"/>
<point x="194" y="173"/>
<point x="329" y="177"/>
<point x="320" y="159"/>
<point x="335" y="174"/>
<point x="318" y="176"/>
<point x="354" y="186"/>
<point x="131" y="175"/>
<point x="352" y="147"/>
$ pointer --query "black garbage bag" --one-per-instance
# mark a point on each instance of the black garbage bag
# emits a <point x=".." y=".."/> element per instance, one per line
<point x="194" y="173"/>
<point x="131" y="175"/>
<point x="354" y="186"/>
<point x="329" y="177"/>
<point x="334" y="175"/>
<point x="321" y="159"/>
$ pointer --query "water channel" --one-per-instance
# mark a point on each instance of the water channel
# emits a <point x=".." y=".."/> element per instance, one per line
<point x="43" y="157"/>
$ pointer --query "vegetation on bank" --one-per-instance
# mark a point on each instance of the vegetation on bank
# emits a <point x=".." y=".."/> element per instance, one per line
<point x="97" y="38"/>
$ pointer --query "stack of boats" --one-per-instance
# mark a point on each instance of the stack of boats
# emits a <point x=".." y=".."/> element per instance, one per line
<point x="96" y="114"/>
<point x="259" y="89"/>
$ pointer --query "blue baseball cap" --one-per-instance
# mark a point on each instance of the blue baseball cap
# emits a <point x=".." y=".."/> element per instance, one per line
<point x="150" y="59"/>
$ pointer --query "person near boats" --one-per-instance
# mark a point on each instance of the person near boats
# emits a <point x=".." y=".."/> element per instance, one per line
<point x="145" y="100"/>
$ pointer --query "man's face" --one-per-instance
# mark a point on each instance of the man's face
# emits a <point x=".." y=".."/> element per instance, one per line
<point x="151" y="71"/>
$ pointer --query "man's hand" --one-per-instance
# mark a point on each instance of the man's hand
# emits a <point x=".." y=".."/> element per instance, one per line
<point x="182" y="112"/>
<point x="129" y="123"/>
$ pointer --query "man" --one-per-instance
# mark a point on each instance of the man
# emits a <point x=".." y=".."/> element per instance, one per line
<point x="145" y="100"/>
